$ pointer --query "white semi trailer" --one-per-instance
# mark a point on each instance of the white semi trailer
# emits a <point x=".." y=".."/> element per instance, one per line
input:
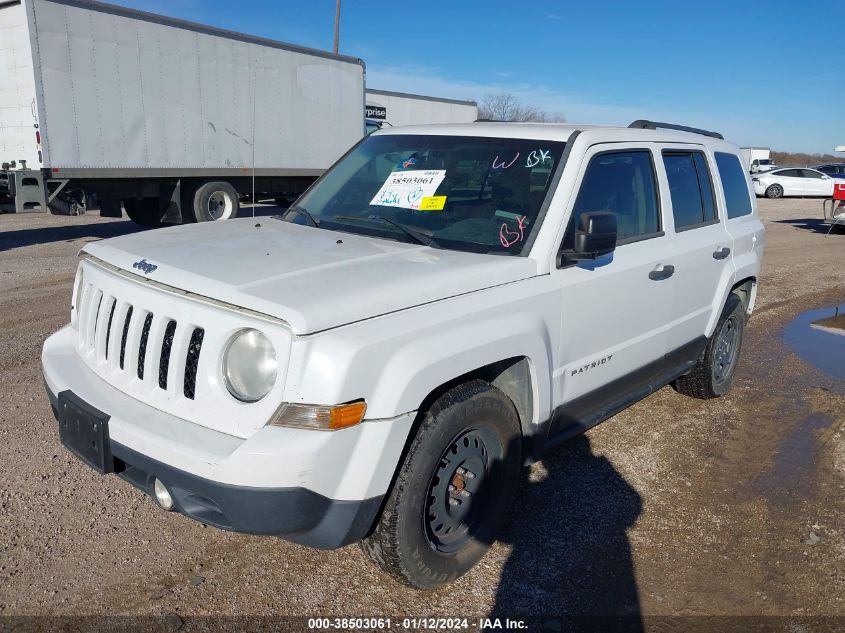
<point x="393" y="109"/>
<point x="106" y="106"/>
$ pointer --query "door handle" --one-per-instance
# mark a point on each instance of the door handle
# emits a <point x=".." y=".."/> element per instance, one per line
<point x="721" y="253"/>
<point x="662" y="272"/>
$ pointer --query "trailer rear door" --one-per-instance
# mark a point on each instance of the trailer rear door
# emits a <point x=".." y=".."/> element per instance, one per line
<point x="18" y="120"/>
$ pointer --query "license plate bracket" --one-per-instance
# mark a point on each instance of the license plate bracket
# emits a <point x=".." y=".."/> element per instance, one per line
<point x="84" y="431"/>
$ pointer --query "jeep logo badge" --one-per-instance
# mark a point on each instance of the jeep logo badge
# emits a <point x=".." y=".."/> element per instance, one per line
<point x="144" y="266"/>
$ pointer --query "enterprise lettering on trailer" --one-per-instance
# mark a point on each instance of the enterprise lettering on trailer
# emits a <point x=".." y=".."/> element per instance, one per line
<point x="375" y="112"/>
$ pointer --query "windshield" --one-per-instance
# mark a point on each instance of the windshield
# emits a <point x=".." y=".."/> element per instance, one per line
<point x="464" y="193"/>
<point x="766" y="161"/>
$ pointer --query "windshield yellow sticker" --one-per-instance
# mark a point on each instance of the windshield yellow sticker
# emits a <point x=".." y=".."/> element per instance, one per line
<point x="433" y="203"/>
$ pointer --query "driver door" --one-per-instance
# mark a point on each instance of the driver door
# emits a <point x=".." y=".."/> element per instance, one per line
<point x="617" y="309"/>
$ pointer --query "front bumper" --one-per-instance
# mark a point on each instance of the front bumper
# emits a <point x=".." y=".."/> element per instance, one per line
<point x="322" y="489"/>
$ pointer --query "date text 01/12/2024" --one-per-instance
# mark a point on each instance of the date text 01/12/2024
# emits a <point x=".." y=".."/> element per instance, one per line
<point x="416" y="624"/>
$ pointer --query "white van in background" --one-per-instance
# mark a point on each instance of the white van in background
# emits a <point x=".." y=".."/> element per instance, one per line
<point x="757" y="159"/>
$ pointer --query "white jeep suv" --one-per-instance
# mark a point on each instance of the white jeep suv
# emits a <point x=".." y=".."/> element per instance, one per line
<point x="440" y="308"/>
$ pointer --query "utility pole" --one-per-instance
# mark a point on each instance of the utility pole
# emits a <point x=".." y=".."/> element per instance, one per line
<point x="336" y="25"/>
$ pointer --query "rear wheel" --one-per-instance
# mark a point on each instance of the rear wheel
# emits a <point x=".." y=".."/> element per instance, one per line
<point x="143" y="211"/>
<point x="774" y="191"/>
<point x="215" y="201"/>
<point x="714" y="371"/>
<point x="453" y="490"/>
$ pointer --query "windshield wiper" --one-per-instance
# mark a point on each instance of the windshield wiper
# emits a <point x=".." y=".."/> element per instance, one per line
<point x="421" y="238"/>
<point x="417" y="236"/>
<point x="312" y="221"/>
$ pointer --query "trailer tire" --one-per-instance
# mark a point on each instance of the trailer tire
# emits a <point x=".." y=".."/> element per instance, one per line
<point x="144" y="211"/>
<point x="215" y="201"/>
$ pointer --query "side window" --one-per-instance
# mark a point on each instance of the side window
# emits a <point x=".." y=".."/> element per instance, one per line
<point x="810" y="173"/>
<point x="737" y="196"/>
<point x="691" y="188"/>
<point x="622" y="182"/>
<point x="827" y="169"/>
<point x="790" y="173"/>
<point x="706" y="182"/>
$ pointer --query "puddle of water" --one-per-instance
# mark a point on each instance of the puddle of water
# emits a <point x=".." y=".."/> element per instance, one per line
<point x="791" y="475"/>
<point x="818" y="336"/>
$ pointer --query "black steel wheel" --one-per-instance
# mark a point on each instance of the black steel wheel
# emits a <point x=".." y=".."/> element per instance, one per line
<point x="453" y="489"/>
<point x="456" y="492"/>
<point x="725" y="349"/>
<point x="713" y="373"/>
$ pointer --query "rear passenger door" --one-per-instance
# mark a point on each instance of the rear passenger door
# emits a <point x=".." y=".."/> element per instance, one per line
<point x="702" y="247"/>
<point x="816" y="184"/>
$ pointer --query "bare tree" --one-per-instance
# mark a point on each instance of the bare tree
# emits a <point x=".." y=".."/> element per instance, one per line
<point x="506" y="107"/>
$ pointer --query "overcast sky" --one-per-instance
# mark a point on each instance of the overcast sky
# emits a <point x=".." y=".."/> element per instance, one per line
<point x="768" y="73"/>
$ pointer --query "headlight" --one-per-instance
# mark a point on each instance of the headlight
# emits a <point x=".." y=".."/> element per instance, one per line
<point x="249" y="365"/>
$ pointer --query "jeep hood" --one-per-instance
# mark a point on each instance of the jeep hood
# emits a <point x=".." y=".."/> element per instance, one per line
<point x="311" y="278"/>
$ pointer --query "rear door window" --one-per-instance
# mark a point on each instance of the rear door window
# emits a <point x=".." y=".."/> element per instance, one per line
<point x="734" y="184"/>
<point x="691" y="188"/>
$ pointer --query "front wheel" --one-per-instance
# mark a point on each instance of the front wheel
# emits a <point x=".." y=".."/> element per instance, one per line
<point x="774" y="191"/>
<point x="453" y="489"/>
<point x="714" y="370"/>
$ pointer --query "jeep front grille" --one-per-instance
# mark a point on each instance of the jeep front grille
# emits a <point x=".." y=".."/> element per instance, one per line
<point x="192" y="362"/>
<point x="132" y="341"/>
<point x="164" y="361"/>
<point x="125" y="334"/>
<point x="160" y="347"/>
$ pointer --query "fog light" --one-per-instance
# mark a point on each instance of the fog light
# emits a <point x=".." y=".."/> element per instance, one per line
<point x="163" y="496"/>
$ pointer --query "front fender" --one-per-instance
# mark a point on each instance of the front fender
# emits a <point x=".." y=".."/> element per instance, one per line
<point x="395" y="361"/>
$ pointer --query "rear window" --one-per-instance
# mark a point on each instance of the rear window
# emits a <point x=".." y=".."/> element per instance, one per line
<point x="690" y="187"/>
<point x="734" y="184"/>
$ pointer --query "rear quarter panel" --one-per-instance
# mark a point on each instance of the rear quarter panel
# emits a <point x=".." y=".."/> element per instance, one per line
<point x="748" y="236"/>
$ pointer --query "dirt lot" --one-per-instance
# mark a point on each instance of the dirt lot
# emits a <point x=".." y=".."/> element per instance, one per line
<point x="676" y="507"/>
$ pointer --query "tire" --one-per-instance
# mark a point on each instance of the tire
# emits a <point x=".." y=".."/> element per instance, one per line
<point x="144" y="211"/>
<point x="715" y="368"/>
<point x="215" y="201"/>
<point x="429" y="535"/>
<point x="774" y="191"/>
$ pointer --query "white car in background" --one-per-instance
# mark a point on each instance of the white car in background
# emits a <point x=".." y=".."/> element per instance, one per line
<point x="793" y="181"/>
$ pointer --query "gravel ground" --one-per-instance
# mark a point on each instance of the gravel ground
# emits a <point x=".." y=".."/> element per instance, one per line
<point x="675" y="507"/>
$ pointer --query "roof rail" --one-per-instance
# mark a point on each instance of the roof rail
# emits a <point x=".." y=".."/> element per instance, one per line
<point x="643" y="124"/>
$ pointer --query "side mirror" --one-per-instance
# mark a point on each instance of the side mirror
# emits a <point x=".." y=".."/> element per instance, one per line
<point x="594" y="237"/>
